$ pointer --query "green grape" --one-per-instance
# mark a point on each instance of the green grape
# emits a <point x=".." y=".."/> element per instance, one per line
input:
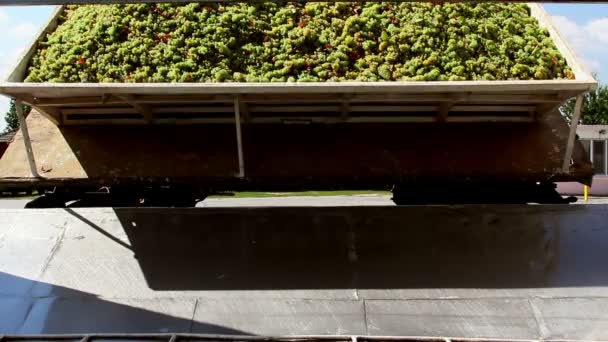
<point x="296" y="42"/>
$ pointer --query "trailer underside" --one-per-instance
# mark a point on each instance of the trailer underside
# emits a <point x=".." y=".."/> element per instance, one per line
<point x="518" y="162"/>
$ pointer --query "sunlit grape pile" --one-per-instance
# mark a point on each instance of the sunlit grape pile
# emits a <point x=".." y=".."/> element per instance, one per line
<point x="296" y="42"/>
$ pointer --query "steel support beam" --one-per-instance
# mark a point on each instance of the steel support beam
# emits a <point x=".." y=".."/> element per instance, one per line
<point x="26" y="138"/>
<point x="239" y="138"/>
<point x="576" y="117"/>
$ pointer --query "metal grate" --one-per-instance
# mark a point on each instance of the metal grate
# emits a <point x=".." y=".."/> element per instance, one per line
<point x="269" y="108"/>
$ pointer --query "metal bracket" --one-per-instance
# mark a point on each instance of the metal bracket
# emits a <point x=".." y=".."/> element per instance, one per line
<point x="144" y="110"/>
<point x="444" y="110"/>
<point x="576" y="116"/>
<point x="26" y="138"/>
<point x="239" y="138"/>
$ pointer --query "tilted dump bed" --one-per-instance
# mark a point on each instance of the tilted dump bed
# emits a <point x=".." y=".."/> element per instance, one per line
<point x="380" y="132"/>
<point x="420" y="101"/>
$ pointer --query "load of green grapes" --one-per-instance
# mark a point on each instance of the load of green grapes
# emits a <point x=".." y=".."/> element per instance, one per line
<point x="297" y="42"/>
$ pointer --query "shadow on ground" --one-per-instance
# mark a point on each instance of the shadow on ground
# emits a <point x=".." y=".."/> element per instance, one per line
<point x="80" y="312"/>
<point x="367" y="247"/>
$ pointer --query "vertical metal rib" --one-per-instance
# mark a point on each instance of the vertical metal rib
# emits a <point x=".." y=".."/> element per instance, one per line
<point x="576" y="116"/>
<point x="239" y="138"/>
<point x="26" y="138"/>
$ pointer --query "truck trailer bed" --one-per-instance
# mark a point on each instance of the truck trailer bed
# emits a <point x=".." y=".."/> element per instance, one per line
<point x="271" y="136"/>
<point x="187" y="103"/>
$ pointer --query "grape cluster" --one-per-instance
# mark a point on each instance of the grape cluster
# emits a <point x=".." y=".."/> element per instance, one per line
<point x="296" y="42"/>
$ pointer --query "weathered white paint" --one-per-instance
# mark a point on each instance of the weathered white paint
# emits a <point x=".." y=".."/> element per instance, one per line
<point x="592" y="131"/>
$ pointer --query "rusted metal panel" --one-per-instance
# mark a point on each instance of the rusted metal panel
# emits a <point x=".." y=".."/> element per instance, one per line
<point x="288" y="155"/>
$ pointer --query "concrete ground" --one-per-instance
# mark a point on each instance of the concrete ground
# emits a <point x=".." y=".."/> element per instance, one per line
<point x="593" y="200"/>
<point x="295" y="201"/>
<point x="515" y="272"/>
<point x="323" y="201"/>
<point x="10" y="203"/>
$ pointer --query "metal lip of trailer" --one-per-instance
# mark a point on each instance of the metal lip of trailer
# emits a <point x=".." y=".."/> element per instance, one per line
<point x="413" y="101"/>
